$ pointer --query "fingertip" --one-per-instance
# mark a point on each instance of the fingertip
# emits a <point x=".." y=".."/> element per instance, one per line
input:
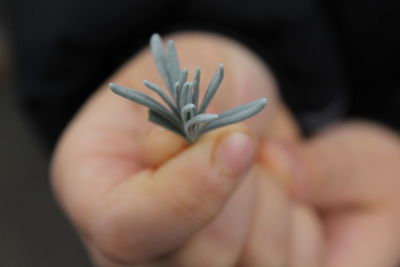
<point x="222" y="132"/>
<point x="235" y="152"/>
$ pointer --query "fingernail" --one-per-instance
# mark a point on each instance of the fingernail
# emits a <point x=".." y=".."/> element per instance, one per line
<point x="235" y="153"/>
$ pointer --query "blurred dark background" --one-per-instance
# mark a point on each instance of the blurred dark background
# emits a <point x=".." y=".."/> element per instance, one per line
<point x="33" y="231"/>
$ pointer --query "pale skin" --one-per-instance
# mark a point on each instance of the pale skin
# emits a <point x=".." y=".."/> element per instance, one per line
<point x="253" y="194"/>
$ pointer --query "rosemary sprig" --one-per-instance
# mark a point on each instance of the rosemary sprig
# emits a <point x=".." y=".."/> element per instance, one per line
<point x="185" y="115"/>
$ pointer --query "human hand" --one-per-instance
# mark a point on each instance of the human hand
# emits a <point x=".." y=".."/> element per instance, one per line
<point x="135" y="202"/>
<point x="349" y="176"/>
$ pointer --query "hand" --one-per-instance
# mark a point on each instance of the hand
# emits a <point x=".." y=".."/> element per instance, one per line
<point x="138" y="203"/>
<point x="349" y="175"/>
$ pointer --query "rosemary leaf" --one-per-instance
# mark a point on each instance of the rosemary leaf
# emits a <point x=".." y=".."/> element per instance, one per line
<point x="183" y="76"/>
<point x="212" y="88"/>
<point x="189" y="94"/>
<point x="172" y="62"/>
<point x="196" y="86"/>
<point x="161" y="121"/>
<point x="201" y="118"/>
<point x="177" y="92"/>
<point x="235" y="115"/>
<point x="183" y="95"/>
<point x="188" y="109"/>
<point x="159" y="58"/>
<point x="144" y="100"/>
<point x="160" y="92"/>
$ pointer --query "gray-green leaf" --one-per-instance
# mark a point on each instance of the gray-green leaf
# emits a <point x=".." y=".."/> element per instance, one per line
<point x="212" y="88"/>
<point x="144" y="100"/>
<point x="236" y="114"/>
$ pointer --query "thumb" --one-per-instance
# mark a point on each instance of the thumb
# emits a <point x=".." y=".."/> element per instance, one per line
<point x="157" y="211"/>
<point x="204" y="176"/>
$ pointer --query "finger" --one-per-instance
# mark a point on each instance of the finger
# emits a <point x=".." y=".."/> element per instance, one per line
<point x="283" y="161"/>
<point x="159" y="146"/>
<point x="268" y="242"/>
<point x="280" y="160"/>
<point x="366" y="238"/>
<point x="286" y="164"/>
<point x="220" y="243"/>
<point x="307" y="239"/>
<point x="351" y="165"/>
<point x="156" y="212"/>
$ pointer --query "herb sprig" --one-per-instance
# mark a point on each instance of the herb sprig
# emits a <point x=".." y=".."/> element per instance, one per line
<point x="185" y="113"/>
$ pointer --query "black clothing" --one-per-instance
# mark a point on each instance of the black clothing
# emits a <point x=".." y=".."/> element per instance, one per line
<point x="333" y="59"/>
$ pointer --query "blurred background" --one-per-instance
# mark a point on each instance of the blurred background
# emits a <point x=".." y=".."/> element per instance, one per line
<point x="33" y="231"/>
